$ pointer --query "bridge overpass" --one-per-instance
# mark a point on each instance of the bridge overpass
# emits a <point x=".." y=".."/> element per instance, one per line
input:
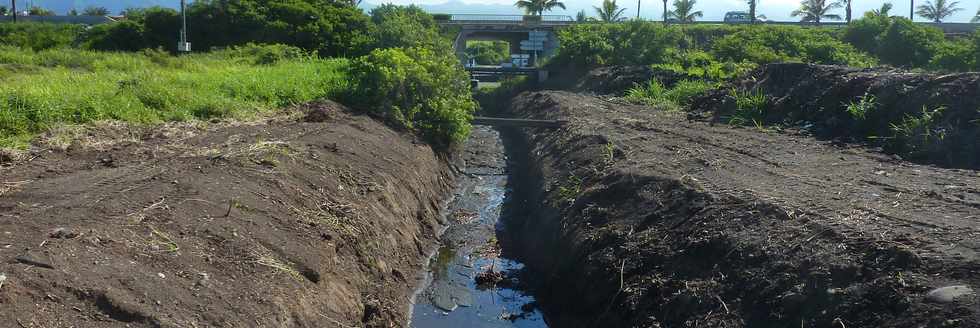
<point x="514" y="29"/>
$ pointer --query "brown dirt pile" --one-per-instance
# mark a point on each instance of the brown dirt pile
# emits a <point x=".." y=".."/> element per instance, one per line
<point x="648" y="219"/>
<point x="817" y="98"/>
<point x="318" y="219"/>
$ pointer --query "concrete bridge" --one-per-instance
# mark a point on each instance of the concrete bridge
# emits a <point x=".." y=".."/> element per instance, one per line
<point x="514" y="29"/>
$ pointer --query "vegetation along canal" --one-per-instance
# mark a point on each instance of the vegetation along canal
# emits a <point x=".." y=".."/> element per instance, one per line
<point x="471" y="284"/>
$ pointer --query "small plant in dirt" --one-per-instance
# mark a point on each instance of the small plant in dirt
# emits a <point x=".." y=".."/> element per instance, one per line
<point x="568" y="192"/>
<point x="919" y="134"/>
<point x="859" y="110"/>
<point x="654" y="94"/>
<point x="608" y="153"/>
<point x="750" y="107"/>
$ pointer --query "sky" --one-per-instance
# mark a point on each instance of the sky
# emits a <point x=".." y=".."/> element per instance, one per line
<point x="778" y="10"/>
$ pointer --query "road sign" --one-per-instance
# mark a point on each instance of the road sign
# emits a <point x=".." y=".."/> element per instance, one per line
<point x="533" y="48"/>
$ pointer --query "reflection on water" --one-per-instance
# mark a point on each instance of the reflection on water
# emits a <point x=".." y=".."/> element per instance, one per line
<point x="453" y="299"/>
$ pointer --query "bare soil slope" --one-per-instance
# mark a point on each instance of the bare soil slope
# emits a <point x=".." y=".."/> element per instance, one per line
<point x="315" y="222"/>
<point x="648" y="219"/>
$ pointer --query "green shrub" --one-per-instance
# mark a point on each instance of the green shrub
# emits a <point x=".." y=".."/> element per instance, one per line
<point x="700" y="64"/>
<point x="750" y="107"/>
<point x="684" y="91"/>
<point x="488" y="52"/>
<point x="908" y="44"/>
<point x="654" y="94"/>
<point x="419" y="89"/>
<point x="38" y="36"/>
<point x="404" y="26"/>
<point x="767" y="44"/>
<point x="864" y="33"/>
<point x="957" y="55"/>
<point x="630" y="43"/>
<point x="123" y="35"/>
<point x="919" y="134"/>
<point x="859" y="110"/>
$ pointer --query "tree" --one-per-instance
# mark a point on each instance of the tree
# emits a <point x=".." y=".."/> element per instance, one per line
<point x="610" y="11"/>
<point x="537" y="7"/>
<point x="815" y="10"/>
<point x="666" y="13"/>
<point x="752" y="4"/>
<point x="976" y="19"/>
<point x="683" y="11"/>
<point x="95" y="11"/>
<point x="885" y="9"/>
<point x="847" y="9"/>
<point x="937" y="11"/>
<point x="3" y="11"/>
<point x="38" y="11"/>
<point x="581" y="16"/>
<point x="73" y="12"/>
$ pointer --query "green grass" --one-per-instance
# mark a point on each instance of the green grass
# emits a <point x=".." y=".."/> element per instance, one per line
<point x="679" y="97"/>
<point x="45" y="89"/>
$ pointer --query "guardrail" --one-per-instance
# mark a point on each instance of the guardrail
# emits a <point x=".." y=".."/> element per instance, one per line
<point x="459" y="19"/>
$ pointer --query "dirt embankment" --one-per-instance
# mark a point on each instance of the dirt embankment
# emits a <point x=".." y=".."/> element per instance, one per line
<point x="647" y="219"/>
<point x="290" y="222"/>
<point x="926" y="117"/>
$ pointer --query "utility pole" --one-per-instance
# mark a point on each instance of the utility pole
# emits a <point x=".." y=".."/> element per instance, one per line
<point x="911" y="10"/>
<point x="638" y="9"/>
<point x="13" y="4"/>
<point x="183" y="45"/>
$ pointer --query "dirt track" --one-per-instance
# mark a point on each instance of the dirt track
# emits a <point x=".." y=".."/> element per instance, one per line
<point x="277" y="223"/>
<point x="661" y="221"/>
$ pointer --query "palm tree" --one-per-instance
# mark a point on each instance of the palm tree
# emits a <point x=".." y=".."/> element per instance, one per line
<point x="537" y="7"/>
<point x="815" y="10"/>
<point x="937" y="11"/>
<point x="666" y="13"/>
<point x="885" y="9"/>
<point x="683" y="11"/>
<point x="752" y="4"/>
<point x="581" y="16"/>
<point x="610" y="11"/>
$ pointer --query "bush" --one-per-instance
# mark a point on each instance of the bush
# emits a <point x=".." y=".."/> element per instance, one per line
<point x="908" y="44"/>
<point x="653" y="93"/>
<point x="38" y="36"/>
<point x="399" y="26"/>
<point x="124" y="35"/>
<point x="958" y="55"/>
<point x="419" y="89"/>
<point x="630" y="43"/>
<point x="768" y="44"/>
<point x="864" y="33"/>
<point x="265" y="54"/>
<point x="700" y="64"/>
<point x="488" y="52"/>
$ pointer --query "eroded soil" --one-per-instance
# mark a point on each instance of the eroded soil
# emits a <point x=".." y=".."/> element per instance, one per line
<point x="320" y="221"/>
<point x="648" y="219"/>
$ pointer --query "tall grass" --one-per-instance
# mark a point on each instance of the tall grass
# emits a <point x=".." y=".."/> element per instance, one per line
<point x="40" y="90"/>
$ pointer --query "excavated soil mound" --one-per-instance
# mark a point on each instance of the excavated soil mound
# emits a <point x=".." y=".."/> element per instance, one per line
<point x="642" y="218"/>
<point x="817" y="97"/>
<point x="617" y="79"/>
<point x="278" y="223"/>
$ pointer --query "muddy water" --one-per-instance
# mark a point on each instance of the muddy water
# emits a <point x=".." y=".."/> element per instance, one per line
<point x="452" y="297"/>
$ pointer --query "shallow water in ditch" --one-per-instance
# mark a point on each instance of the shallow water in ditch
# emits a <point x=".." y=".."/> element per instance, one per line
<point x="452" y="297"/>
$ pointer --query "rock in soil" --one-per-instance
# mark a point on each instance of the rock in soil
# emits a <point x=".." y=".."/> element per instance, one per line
<point x="949" y="294"/>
